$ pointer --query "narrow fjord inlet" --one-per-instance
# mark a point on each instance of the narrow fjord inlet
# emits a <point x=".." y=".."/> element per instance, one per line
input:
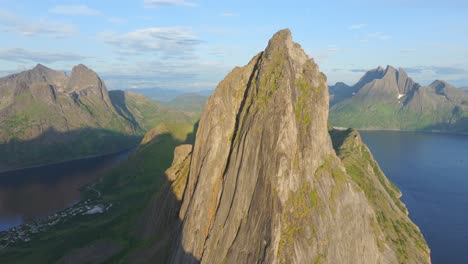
<point x="433" y="183"/>
<point x="34" y="193"/>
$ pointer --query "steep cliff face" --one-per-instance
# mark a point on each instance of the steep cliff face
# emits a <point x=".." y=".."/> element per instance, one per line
<point x="266" y="185"/>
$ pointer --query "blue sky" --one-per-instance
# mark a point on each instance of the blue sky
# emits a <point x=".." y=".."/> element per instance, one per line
<point x="193" y="44"/>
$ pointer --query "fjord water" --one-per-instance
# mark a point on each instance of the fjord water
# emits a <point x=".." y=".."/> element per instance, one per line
<point x="37" y="192"/>
<point x="431" y="170"/>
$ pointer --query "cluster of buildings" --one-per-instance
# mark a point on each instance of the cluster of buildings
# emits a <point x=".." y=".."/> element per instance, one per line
<point x="26" y="231"/>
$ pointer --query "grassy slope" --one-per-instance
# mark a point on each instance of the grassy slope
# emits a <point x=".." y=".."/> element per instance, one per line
<point x="145" y="111"/>
<point x="365" y="116"/>
<point x="93" y="129"/>
<point x="74" y="130"/>
<point x="128" y="188"/>
<point x="193" y="103"/>
<point x="381" y="114"/>
<point x="404" y="237"/>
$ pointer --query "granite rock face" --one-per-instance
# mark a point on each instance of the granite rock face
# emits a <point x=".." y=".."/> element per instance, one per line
<point x="265" y="184"/>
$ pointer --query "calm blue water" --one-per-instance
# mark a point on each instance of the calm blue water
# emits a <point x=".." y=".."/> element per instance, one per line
<point x="432" y="172"/>
<point x="38" y="192"/>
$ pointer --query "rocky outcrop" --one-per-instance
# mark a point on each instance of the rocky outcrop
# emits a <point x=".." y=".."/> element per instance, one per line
<point x="265" y="184"/>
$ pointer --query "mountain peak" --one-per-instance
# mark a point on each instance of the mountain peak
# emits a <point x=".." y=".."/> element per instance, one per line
<point x="40" y="67"/>
<point x="281" y="43"/>
<point x="389" y="80"/>
<point x="439" y="82"/>
<point x="81" y="68"/>
<point x="281" y="37"/>
<point x="83" y="71"/>
<point x="263" y="171"/>
<point x="83" y="77"/>
<point x="440" y="86"/>
<point x="390" y="71"/>
<point x="44" y="70"/>
<point x="273" y="109"/>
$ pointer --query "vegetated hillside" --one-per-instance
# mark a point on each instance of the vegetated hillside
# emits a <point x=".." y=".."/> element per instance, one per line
<point x="142" y="192"/>
<point x="165" y="95"/>
<point x="265" y="182"/>
<point x="389" y="99"/>
<point x="190" y="103"/>
<point x="145" y="113"/>
<point x="47" y="116"/>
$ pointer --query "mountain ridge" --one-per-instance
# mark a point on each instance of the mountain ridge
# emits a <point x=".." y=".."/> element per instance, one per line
<point x="44" y="112"/>
<point x="390" y="99"/>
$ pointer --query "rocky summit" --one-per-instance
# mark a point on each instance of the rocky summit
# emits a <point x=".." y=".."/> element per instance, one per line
<point x="266" y="184"/>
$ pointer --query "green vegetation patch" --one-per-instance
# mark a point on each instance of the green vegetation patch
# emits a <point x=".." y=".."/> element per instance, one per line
<point x="128" y="188"/>
<point x="400" y="233"/>
<point x="296" y="218"/>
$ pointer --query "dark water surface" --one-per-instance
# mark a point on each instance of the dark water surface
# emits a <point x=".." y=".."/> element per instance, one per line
<point x="432" y="172"/>
<point x="41" y="191"/>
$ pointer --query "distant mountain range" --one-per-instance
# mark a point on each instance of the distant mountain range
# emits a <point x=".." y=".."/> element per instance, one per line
<point x="47" y="116"/>
<point x="189" y="102"/>
<point x="166" y="95"/>
<point x="390" y="99"/>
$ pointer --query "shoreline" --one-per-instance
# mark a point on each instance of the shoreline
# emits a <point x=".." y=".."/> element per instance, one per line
<point x="418" y="131"/>
<point x="68" y="160"/>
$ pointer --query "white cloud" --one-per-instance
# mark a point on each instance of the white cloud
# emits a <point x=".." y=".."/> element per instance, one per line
<point x="74" y="10"/>
<point x="167" y="43"/>
<point x="22" y="55"/>
<point x="182" y="75"/>
<point x="9" y="22"/>
<point x="159" y="3"/>
<point x="357" y="26"/>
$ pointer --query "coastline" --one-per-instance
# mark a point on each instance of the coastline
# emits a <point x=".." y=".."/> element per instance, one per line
<point x="418" y="131"/>
<point x="69" y="160"/>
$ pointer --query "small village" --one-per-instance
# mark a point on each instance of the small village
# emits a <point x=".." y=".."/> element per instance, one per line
<point x="25" y="232"/>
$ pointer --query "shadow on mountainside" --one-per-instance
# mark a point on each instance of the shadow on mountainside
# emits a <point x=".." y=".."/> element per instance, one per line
<point x="142" y="226"/>
<point x="53" y="146"/>
<point x="159" y="224"/>
<point x="119" y="102"/>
